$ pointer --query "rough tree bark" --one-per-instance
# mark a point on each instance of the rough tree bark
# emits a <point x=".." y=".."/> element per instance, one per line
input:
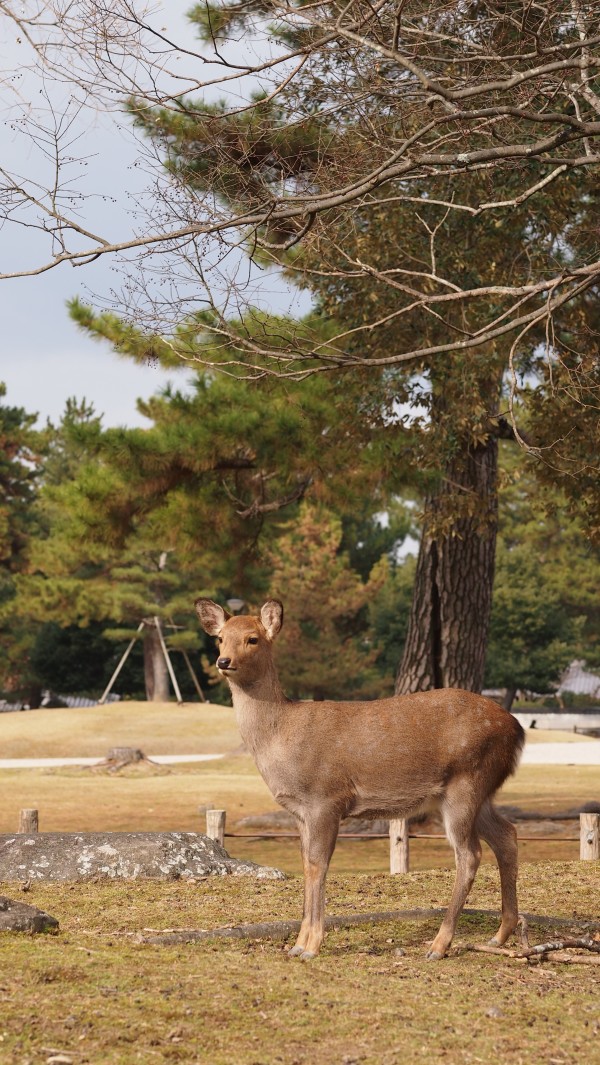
<point x="449" y="620"/>
<point x="156" y="677"/>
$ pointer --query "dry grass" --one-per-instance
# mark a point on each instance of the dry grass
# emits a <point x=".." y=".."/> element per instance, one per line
<point x="158" y="728"/>
<point x="79" y="799"/>
<point x="94" y="995"/>
<point x="546" y="735"/>
<point x="551" y="788"/>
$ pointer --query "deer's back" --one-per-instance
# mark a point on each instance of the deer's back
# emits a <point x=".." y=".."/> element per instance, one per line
<point x="391" y="754"/>
<point x="450" y="718"/>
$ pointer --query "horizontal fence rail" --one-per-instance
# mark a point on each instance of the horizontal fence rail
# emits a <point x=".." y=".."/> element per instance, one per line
<point x="399" y="836"/>
<point x="385" y="835"/>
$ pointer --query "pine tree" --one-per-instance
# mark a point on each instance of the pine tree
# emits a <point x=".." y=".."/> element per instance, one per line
<point x="452" y="451"/>
<point x="20" y="461"/>
<point x="141" y="521"/>
<point x="19" y="470"/>
<point x="321" y="651"/>
<point x="545" y="610"/>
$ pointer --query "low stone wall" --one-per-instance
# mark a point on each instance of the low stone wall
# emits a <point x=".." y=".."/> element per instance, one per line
<point x="115" y="855"/>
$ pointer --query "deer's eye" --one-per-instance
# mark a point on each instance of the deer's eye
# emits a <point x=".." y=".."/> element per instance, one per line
<point x="219" y="639"/>
<point x="253" y="639"/>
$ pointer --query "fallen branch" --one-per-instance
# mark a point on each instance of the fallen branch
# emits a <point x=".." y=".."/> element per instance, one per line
<point x="559" y="949"/>
<point x="284" y="929"/>
<point x="122" y="758"/>
<point x="581" y="943"/>
<point x="488" y="948"/>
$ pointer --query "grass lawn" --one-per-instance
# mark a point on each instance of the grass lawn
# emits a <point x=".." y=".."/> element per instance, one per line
<point x="158" y="728"/>
<point x="93" y="994"/>
<point x="547" y="735"/>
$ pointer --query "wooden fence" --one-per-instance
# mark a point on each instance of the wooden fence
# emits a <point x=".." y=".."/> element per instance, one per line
<point x="399" y="835"/>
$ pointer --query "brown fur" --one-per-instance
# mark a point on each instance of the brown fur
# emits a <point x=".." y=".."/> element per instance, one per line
<point x="446" y="749"/>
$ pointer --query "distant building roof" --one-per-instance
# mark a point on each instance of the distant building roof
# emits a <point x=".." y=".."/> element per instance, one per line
<point x="579" y="680"/>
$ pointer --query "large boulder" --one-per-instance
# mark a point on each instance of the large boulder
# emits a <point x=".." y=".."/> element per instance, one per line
<point x="114" y="855"/>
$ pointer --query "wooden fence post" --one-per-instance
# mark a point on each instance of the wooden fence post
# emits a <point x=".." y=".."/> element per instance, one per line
<point x="28" y="821"/>
<point x="589" y="836"/>
<point x="399" y="845"/>
<point x="215" y="825"/>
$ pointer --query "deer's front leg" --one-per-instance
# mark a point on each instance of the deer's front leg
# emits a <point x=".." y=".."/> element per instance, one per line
<point x="318" y="834"/>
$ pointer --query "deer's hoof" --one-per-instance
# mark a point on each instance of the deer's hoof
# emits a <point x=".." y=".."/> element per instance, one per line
<point x="302" y="953"/>
<point x="433" y="955"/>
<point x="296" y="952"/>
<point x="493" y="942"/>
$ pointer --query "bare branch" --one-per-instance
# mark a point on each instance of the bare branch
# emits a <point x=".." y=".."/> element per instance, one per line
<point x="354" y="109"/>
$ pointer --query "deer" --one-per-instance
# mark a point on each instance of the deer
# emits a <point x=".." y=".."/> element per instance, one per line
<point x="443" y="749"/>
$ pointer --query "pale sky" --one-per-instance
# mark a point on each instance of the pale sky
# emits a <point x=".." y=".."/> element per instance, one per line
<point x="44" y="358"/>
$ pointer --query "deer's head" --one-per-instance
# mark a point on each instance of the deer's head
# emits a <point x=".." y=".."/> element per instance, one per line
<point x="244" y="641"/>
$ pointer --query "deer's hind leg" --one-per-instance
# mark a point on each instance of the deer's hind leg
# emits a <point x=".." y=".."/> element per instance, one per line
<point x="501" y="836"/>
<point x="318" y="835"/>
<point x="459" y="811"/>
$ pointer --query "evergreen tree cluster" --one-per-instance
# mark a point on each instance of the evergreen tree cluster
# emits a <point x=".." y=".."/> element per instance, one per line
<point x="105" y="528"/>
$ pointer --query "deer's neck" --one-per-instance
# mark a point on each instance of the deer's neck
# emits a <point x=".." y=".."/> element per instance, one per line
<point x="258" y="708"/>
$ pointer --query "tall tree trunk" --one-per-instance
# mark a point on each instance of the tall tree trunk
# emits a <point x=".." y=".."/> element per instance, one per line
<point x="156" y="676"/>
<point x="449" y="620"/>
<point x="509" y="698"/>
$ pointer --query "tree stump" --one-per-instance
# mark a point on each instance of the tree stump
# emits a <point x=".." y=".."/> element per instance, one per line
<point x="122" y="757"/>
<point x="125" y="755"/>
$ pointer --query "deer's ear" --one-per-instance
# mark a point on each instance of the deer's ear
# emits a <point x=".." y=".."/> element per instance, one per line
<point x="271" y="616"/>
<point x="212" y="616"/>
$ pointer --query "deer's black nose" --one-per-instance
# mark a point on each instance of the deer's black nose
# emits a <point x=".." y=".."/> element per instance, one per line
<point x="223" y="663"/>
